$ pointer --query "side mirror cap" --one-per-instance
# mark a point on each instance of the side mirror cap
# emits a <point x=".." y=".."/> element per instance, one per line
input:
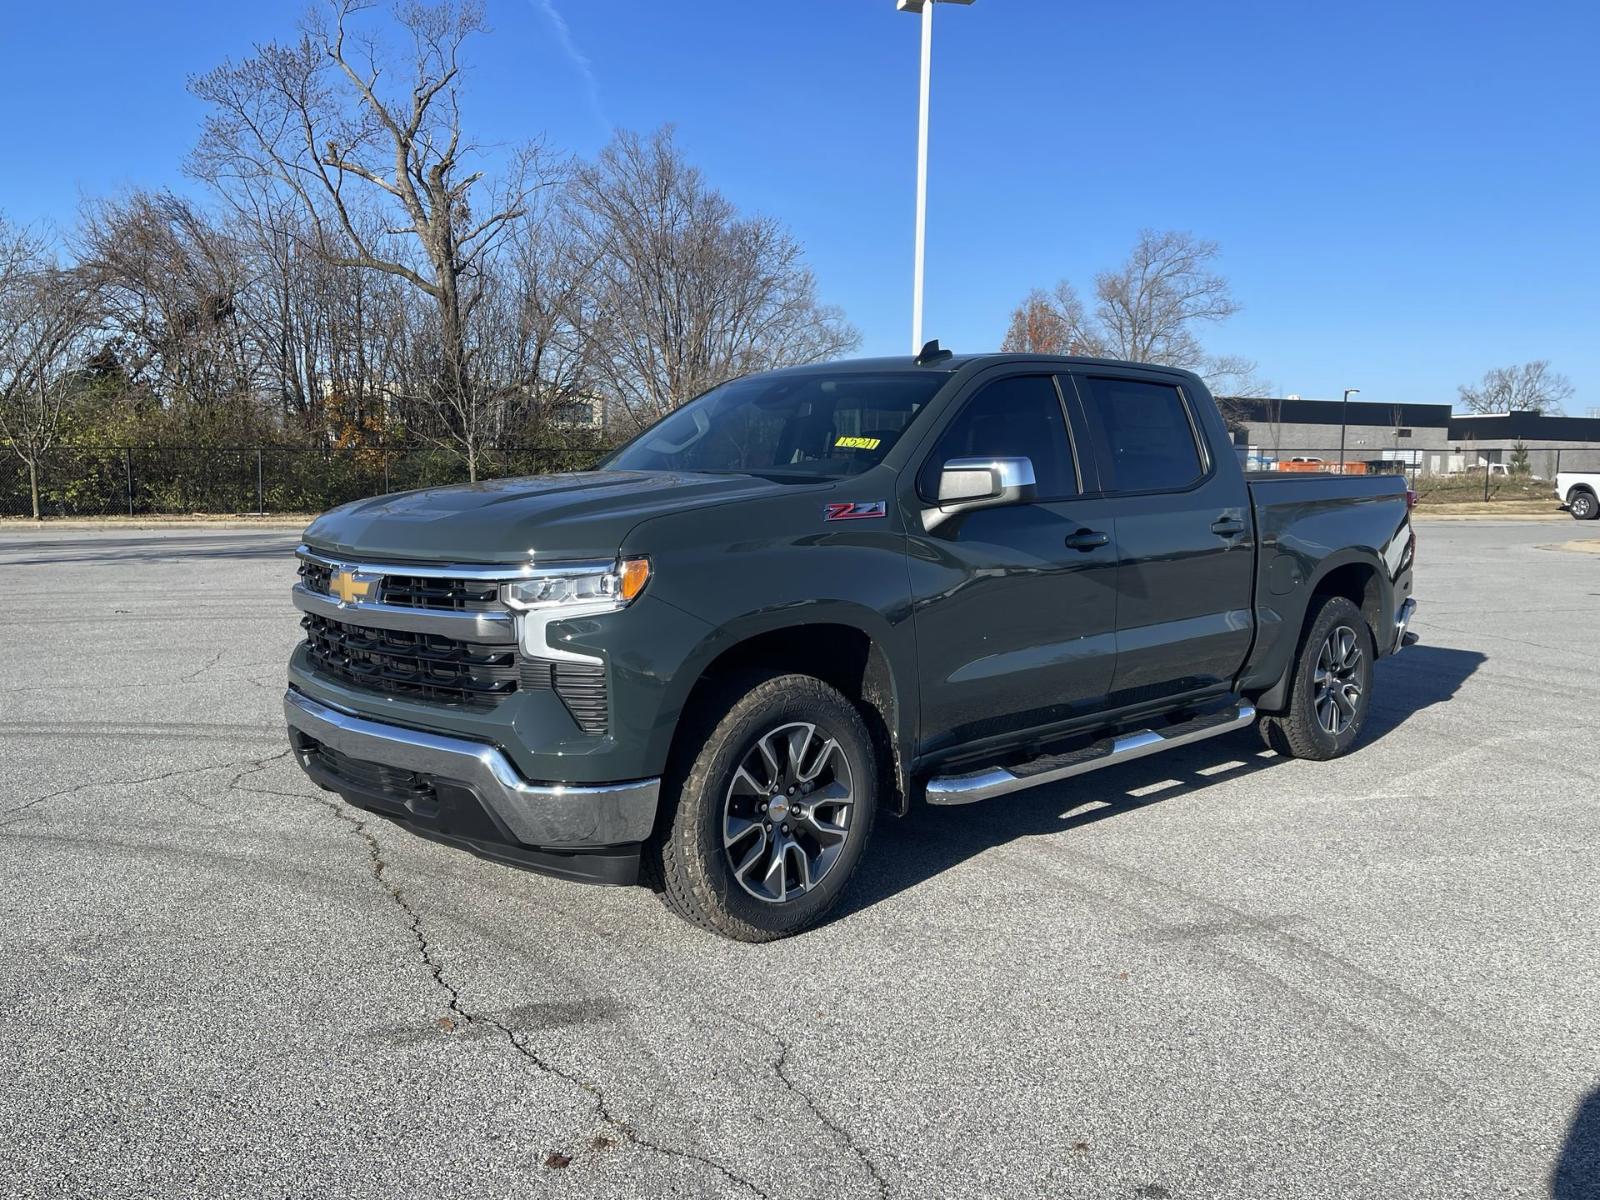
<point x="969" y="483"/>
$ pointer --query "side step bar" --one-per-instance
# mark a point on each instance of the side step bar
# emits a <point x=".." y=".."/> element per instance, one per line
<point x="1108" y="752"/>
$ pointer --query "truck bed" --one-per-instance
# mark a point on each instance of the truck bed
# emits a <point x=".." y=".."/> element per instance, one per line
<point x="1308" y="523"/>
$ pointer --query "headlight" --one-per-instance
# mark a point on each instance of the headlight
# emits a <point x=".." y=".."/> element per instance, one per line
<point x="591" y="588"/>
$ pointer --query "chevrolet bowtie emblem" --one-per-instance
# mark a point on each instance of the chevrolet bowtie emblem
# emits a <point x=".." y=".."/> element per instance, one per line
<point x="351" y="586"/>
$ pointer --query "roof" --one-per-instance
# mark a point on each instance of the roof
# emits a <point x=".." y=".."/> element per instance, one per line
<point x="1332" y="412"/>
<point x="1525" y="425"/>
<point x="956" y="362"/>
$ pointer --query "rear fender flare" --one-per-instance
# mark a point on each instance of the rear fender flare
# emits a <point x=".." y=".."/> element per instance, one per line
<point x="1276" y="697"/>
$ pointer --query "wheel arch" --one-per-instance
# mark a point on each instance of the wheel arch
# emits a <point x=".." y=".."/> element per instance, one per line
<point x="1359" y="580"/>
<point x="847" y="649"/>
<point x="1359" y="576"/>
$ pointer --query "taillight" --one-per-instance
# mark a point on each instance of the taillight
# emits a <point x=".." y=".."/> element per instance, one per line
<point x="1411" y="499"/>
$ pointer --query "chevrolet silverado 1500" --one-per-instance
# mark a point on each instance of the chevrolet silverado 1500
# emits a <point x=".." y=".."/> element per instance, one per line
<point x="818" y="594"/>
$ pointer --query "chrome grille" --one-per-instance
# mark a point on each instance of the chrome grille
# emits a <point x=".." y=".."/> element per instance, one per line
<point x="438" y="634"/>
<point x="438" y="593"/>
<point x="315" y="575"/>
<point x="453" y="595"/>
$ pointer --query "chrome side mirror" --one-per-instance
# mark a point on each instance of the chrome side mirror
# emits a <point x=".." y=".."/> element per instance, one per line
<point x="969" y="483"/>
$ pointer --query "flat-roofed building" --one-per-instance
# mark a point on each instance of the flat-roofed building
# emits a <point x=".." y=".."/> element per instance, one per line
<point x="1425" y="438"/>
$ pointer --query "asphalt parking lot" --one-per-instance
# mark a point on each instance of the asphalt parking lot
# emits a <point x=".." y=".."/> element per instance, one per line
<point x="1207" y="974"/>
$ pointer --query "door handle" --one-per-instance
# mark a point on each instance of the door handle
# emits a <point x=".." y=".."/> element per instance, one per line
<point x="1088" y="539"/>
<point x="1227" y="526"/>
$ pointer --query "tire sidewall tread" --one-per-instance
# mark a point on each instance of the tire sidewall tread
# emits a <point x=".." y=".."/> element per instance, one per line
<point x="687" y="857"/>
<point x="1296" y="733"/>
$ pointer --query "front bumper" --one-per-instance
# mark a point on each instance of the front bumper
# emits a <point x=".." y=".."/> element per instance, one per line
<point x="468" y="793"/>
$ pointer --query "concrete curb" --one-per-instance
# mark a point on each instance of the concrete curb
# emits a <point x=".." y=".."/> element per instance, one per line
<point x="1513" y="515"/>
<point x="16" y="525"/>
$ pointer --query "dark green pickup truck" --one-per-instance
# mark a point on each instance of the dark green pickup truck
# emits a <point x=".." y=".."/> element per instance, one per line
<point x="819" y="593"/>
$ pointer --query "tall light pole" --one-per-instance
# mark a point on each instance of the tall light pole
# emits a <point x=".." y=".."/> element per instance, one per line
<point x="1344" y="421"/>
<point x="925" y="8"/>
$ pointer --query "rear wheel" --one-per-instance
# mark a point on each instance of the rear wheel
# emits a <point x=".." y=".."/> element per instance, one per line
<point x="1331" y="692"/>
<point x="774" y="814"/>
<point x="1583" y="506"/>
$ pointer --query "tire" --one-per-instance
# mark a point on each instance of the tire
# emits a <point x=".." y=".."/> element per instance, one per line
<point x="730" y="863"/>
<point x="1583" y="506"/>
<point x="1331" y="692"/>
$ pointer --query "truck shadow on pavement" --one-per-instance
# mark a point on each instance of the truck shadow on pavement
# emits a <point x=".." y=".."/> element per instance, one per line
<point x="932" y="840"/>
<point x="1577" y="1172"/>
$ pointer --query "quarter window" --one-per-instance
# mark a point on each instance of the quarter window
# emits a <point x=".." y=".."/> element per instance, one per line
<point x="1143" y="439"/>
<point x="1019" y="417"/>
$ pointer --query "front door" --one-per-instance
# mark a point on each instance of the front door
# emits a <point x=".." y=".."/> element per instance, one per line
<point x="1015" y="607"/>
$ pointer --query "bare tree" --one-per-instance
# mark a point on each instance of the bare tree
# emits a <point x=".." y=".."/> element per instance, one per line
<point x="1146" y="310"/>
<point x="1149" y="306"/>
<point x="532" y="344"/>
<point x="1052" y="323"/>
<point x="1233" y="380"/>
<point x="1531" y="387"/>
<point x="20" y="251"/>
<point x="169" y="280"/>
<point x="1235" y="376"/>
<point x="320" y="121"/>
<point x="47" y="315"/>
<point x="685" y="292"/>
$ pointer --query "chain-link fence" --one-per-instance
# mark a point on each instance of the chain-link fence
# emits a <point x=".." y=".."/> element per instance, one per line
<point x="95" y="481"/>
<point x="1459" y="474"/>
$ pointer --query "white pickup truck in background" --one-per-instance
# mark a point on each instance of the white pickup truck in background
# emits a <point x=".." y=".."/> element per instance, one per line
<point x="1580" y="493"/>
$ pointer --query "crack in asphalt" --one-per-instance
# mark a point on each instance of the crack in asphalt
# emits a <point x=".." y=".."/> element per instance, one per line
<point x="785" y="1048"/>
<point x="19" y="811"/>
<point x="255" y="766"/>
<point x="193" y="675"/>
<point x="828" y="1122"/>
<point x="596" y="1094"/>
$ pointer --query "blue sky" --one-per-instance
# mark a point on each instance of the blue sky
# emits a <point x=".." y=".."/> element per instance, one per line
<point x="1405" y="193"/>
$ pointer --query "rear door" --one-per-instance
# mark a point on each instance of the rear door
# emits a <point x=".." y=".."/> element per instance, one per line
<point x="1184" y="543"/>
<point x="1015" y="608"/>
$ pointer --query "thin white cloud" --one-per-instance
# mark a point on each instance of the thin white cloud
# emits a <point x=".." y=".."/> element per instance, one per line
<point x="579" y="60"/>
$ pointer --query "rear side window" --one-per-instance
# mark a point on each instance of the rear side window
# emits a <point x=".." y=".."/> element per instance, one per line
<point x="1019" y="417"/>
<point x="1143" y="438"/>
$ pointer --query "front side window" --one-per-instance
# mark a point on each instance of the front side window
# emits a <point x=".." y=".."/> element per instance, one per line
<point x="1011" y="418"/>
<point x="1143" y="439"/>
<point x="821" y="424"/>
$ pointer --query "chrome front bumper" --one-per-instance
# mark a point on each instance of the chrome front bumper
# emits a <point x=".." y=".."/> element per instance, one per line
<point x="554" y="816"/>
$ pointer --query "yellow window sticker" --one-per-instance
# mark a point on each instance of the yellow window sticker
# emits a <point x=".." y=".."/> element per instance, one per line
<point x="857" y="443"/>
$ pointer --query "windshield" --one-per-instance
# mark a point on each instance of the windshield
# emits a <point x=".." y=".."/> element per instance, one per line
<point x="815" y="424"/>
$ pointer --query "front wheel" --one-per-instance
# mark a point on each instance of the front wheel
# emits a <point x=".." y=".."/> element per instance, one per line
<point x="1331" y="693"/>
<point x="774" y="814"/>
<point x="1583" y="506"/>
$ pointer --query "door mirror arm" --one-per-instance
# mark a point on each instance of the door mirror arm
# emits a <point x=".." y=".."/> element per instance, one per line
<point x="966" y="484"/>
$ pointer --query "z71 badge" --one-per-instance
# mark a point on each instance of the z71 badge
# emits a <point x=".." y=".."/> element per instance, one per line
<point x="855" y="510"/>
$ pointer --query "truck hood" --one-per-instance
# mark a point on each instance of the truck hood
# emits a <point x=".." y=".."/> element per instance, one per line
<point x="585" y="514"/>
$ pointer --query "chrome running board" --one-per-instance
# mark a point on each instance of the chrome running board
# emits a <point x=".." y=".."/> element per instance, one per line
<point x="1108" y="752"/>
